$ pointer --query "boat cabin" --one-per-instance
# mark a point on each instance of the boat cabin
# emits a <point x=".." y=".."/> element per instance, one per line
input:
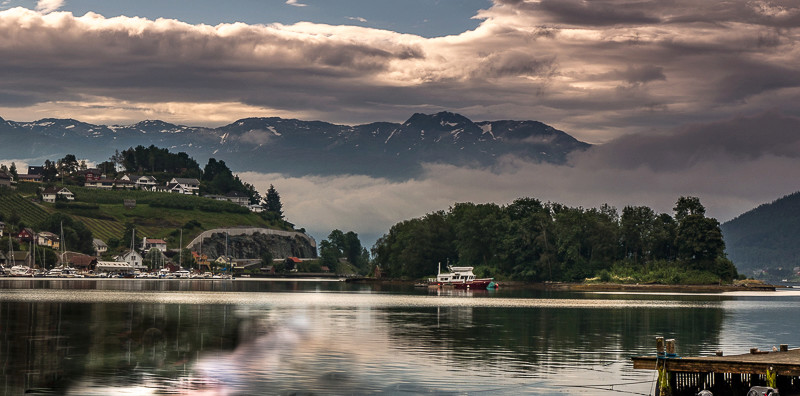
<point x="456" y="275"/>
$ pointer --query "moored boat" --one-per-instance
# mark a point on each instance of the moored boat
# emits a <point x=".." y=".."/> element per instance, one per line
<point x="461" y="278"/>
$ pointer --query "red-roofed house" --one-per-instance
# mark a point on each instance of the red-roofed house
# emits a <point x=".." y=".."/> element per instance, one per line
<point x="80" y="261"/>
<point x="149" y="243"/>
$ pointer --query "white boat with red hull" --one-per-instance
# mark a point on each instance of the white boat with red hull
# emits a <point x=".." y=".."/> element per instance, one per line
<point x="461" y="278"/>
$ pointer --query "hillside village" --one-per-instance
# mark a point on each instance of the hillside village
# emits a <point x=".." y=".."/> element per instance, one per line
<point x="55" y="186"/>
<point x="94" y="178"/>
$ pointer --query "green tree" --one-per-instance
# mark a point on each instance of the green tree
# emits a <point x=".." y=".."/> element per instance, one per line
<point x="68" y="165"/>
<point x="4" y="244"/>
<point x="13" y="171"/>
<point x="524" y="246"/>
<point x="412" y="248"/>
<point x="637" y="226"/>
<point x="698" y="238"/>
<point x="128" y="238"/>
<point x="477" y="229"/>
<point x="687" y="206"/>
<point x="663" y="238"/>
<point x="187" y="259"/>
<point x="329" y="255"/>
<point x="77" y="237"/>
<point x="273" y="202"/>
<point x="107" y="168"/>
<point x="699" y="241"/>
<point x="49" y="171"/>
<point x="267" y="259"/>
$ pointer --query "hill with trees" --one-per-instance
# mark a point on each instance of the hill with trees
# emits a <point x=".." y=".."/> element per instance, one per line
<point x="766" y="240"/>
<point x="534" y="241"/>
<point x="111" y="215"/>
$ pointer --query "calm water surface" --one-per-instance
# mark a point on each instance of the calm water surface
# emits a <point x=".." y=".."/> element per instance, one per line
<point x="245" y="337"/>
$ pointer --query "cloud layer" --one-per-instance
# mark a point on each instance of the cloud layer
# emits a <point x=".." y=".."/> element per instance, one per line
<point x="596" y="69"/>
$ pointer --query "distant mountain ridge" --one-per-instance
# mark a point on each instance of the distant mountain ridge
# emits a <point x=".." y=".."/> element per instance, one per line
<point x="296" y="147"/>
<point x="767" y="237"/>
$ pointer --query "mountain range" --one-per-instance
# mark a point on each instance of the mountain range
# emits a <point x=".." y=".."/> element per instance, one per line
<point x="296" y="147"/>
<point x="766" y="238"/>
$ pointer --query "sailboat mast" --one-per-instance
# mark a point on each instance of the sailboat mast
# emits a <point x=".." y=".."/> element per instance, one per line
<point x="180" y="250"/>
<point x="63" y="245"/>
<point x="11" y="252"/>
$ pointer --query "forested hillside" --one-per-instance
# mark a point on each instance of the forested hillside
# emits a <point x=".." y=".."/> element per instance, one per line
<point x="534" y="241"/>
<point x="766" y="238"/>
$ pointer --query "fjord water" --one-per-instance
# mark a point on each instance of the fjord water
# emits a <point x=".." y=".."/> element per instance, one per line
<point x="313" y="337"/>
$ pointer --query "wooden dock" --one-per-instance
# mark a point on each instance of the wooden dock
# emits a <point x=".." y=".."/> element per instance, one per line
<point x="723" y="375"/>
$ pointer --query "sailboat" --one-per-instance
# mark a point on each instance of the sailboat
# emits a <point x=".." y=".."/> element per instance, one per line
<point x="64" y="270"/>
<point x="17" y="270"/>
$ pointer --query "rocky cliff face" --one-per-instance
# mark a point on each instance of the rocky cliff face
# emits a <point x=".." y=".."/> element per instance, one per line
<point x="254" y="246"/>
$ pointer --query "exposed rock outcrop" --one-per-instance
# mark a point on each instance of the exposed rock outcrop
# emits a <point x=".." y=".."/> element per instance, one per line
<point x="254" y="245"/>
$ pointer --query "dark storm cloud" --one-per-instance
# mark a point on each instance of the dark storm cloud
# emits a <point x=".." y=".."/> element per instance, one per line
<point x="745" y="139"/>
<point x="635" y="74"/>
<point x="597" y="13"/>
<point x="756" y="79"/>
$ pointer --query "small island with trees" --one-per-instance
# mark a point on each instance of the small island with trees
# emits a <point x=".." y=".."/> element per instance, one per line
<point x="532" y="241"/>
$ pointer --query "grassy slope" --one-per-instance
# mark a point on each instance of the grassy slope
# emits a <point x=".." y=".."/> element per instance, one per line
<point x="109" y="219"/>
<point x="28" y="212"/>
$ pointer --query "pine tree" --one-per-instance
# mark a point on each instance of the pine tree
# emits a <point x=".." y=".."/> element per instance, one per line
<point x="273" y="204"/>
<point x="13" y="171"/>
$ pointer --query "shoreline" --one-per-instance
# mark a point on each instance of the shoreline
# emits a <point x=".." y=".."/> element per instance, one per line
<point x="605" y="287"/>
<point x="545" y="286"/>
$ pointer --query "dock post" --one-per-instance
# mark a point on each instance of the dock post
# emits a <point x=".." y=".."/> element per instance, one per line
<point x="660" y="346"/>
<point x="671" y="348"/>
<point x="784" y="348"/>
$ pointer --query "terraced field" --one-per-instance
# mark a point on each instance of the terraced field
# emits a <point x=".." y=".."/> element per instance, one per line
<point x="29" y="212"/>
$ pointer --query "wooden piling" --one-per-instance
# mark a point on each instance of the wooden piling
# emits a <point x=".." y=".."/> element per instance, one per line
<point x="671" y="348"/>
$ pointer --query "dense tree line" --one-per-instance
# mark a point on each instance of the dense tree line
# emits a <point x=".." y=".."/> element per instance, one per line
<point x="152" y="159"/>
<point x="343" y="246"/>
<point x="534" y="241"/>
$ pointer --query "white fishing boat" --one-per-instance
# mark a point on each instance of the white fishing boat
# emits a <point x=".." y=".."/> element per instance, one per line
<point x="21" y="271"/>
<point x="461" y="278"/>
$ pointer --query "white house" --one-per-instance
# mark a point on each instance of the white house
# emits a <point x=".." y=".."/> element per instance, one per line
<point x="104" y="184"/>
<point x="238" y="198"/>
<point x="99" y="246"/>
<point x="187" y="186"/>
<point x="149" y="243"/>
<point x="50" y="193"/>
<point x="146" y="182"/>
<point x="132" y="257"/>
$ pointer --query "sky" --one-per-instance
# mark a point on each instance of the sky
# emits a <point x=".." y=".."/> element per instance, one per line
<point x="682" y="97"/>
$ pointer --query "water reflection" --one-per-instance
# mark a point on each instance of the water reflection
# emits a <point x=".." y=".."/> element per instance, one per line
<point x="255" y="338"/>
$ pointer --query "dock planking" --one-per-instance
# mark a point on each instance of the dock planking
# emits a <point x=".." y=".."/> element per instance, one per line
<point x="724" y="375"/>
<point x="786" y="363"/>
